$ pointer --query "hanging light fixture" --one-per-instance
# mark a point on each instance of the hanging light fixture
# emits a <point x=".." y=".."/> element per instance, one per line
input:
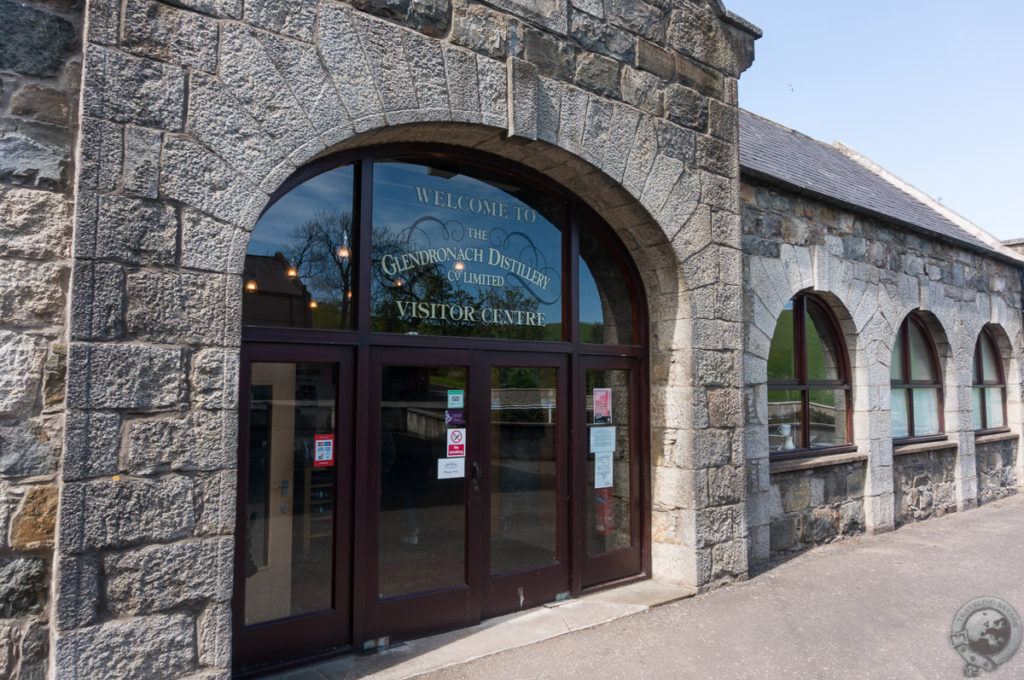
<point x="312" y="304"/>
<point x="459" y="266"/>
<point x="250" y="286"/>
<point x="292" y="273"/>
<point x="343" y="251"/>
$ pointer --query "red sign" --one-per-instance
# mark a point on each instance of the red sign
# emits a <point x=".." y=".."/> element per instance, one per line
<point x="323" y="450"/>
<point x="456" y="442"/>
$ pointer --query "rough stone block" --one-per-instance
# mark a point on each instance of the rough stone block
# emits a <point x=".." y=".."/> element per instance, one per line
<point x="481" y="29"/>
<point x="384" y="48"/>
<point x="91" y="444"/>
<point x="339" y="47"/>
<point x="430" y="17"/>
<point x="34" y="154"/>
<point x="34" y="224"/>
<point x="493" y="92"/>
<point x="162" y="647"/>
<point x="105" y="21"/>
<point x="620" y="140"/>
<point x="211" y="245"/>
<point x="573" y="119"/>
<point x="522" y="78"/>
<point x="142" y="161"/>
<point x="301" y="67"/>
<point x="552" y="57"/>
<point x="594" y="34"/>
<point x="729" y="560"/>
<point x="214" y="378"/>
<point x="595" y="131"/>
<point x="77" y="591"/>
<point x="248" y="72"/>
<point x="21" y="363"/>
<point x="598" y="74"/>
<point x="126" y="89"/>
<point x="551" y="14"/>
<point x="295" y="19"/>
<point x="215" y="503"/>
<point x="124" y="376"/>
<point x="463" y="86"/>
<point x="223" y="124"/>
<point x="214" y="633"/>
<point x="161" y="577"/>
<point x="184" y="307"/>
<point x="642" y="90"/>
<point x="131" y="230"/>
<point x="33" y="524"/>
<point x="168" y="34"/>
<point x="42" y="104"/>
<point x="118" y="513"/>
<point x="32" y="293"/>
<point x="226" y="9"/>
<point x="202" y="440"/>
<point x="101" y="156"/>
<point x="24" y="584"/>
<point x="29" y="447"/>
<point x="97" y="305"/>
<point x="686" y="107"/>
<point x="195" y="176"/>
<point x="34" y="42"/>
<point x="638" y="17"/>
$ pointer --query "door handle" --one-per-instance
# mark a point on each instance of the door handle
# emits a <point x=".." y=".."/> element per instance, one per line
<point x="476" y="473"/>
<point x="283" y="486"/>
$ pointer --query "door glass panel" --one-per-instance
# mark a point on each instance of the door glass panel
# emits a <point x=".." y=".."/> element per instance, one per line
<point x="422" y="500"/>
<point x="524" y="471"/>
<point x="465" y="253"/>
<point x="298" y="267"/>
<point x="291" y="490"/>
<point x="608" y="456"/>
<point x="606" y="307"/>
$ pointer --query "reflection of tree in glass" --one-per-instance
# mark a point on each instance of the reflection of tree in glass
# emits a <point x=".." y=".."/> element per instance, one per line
<point x="320" y="251"/>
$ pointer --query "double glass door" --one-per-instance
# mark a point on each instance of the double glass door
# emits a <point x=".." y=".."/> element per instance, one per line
<point x="419" y="490"/>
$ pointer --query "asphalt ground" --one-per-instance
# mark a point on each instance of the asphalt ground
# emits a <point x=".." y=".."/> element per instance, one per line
<point x="870" y="607"/>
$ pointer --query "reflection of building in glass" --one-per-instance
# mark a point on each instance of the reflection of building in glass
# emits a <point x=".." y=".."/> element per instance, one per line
<point x="278" y="299"/>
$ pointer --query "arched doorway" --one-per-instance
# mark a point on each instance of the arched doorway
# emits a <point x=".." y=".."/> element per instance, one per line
<point x="444" y="406"/>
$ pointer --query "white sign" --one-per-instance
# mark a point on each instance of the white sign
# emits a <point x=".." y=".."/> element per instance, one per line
<point x="456" y="442"/>
<point x="602" y="439"/>
<point x="451" y="468"/>
<point x="603" y="470"/>
<point x="456" y="398"/>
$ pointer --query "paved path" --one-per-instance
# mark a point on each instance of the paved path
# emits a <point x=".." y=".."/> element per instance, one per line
<point x="872" y="607"/>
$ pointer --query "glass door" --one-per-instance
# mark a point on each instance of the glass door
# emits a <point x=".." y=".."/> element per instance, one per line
<point x="527" y="481"/>
<point x="426" y="455"/>
<point x="293" y="529"/>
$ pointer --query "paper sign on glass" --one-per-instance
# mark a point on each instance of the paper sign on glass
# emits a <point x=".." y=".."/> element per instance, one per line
<point x="456" y="442"/>
<point x="602" y="439"/>
<point x="451" y="468"/>
<point x="602" y="405"/>
<point x="456" y="398"/>
<point x="603" y="470"/>
<point x="323" y="450"/>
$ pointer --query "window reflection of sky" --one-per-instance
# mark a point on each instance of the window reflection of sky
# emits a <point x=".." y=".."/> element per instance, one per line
<point x="330" y="191"/>
<point x="396" y="207"/>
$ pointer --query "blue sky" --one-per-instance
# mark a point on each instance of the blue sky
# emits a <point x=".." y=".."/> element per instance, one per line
<point x="932" y="91"/>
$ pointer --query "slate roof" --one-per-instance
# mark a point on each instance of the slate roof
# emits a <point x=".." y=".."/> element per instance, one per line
<point x="775" y="152"/>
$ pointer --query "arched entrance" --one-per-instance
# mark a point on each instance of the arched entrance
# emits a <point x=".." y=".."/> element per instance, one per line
<point x="444" y="406"/>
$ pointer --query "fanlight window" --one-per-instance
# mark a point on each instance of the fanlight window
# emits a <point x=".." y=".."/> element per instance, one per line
<point x="916" y="378"/>
<point x="808" y="381"/>
<point x="989" y="391"/>
<point x="435" y="245"/>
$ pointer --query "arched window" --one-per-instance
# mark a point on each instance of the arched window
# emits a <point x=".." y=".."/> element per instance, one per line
<point x="989" y="392"/>
<point x="916" y="380"/>
<point x="808" y="381"/>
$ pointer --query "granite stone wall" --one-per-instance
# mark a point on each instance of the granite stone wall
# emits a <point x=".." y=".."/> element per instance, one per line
<point x="924" y="483"/>
<point x="872" y="273"/>
<point x="40" y="70"/>
<point x="815" y="505"/>
<point x="997" y="467"/>
<point x="194" y="112"/>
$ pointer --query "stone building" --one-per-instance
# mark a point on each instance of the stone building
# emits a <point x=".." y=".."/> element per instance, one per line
<point x="270" y="268"/>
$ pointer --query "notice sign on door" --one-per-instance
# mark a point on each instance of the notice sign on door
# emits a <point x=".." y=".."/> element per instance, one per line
<point x="451" y="468"/>
<point x="323" y="450"/>
<point x="456" y="442"/>
<point x="602" y="405"/>
<point x="456" y="398"/>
